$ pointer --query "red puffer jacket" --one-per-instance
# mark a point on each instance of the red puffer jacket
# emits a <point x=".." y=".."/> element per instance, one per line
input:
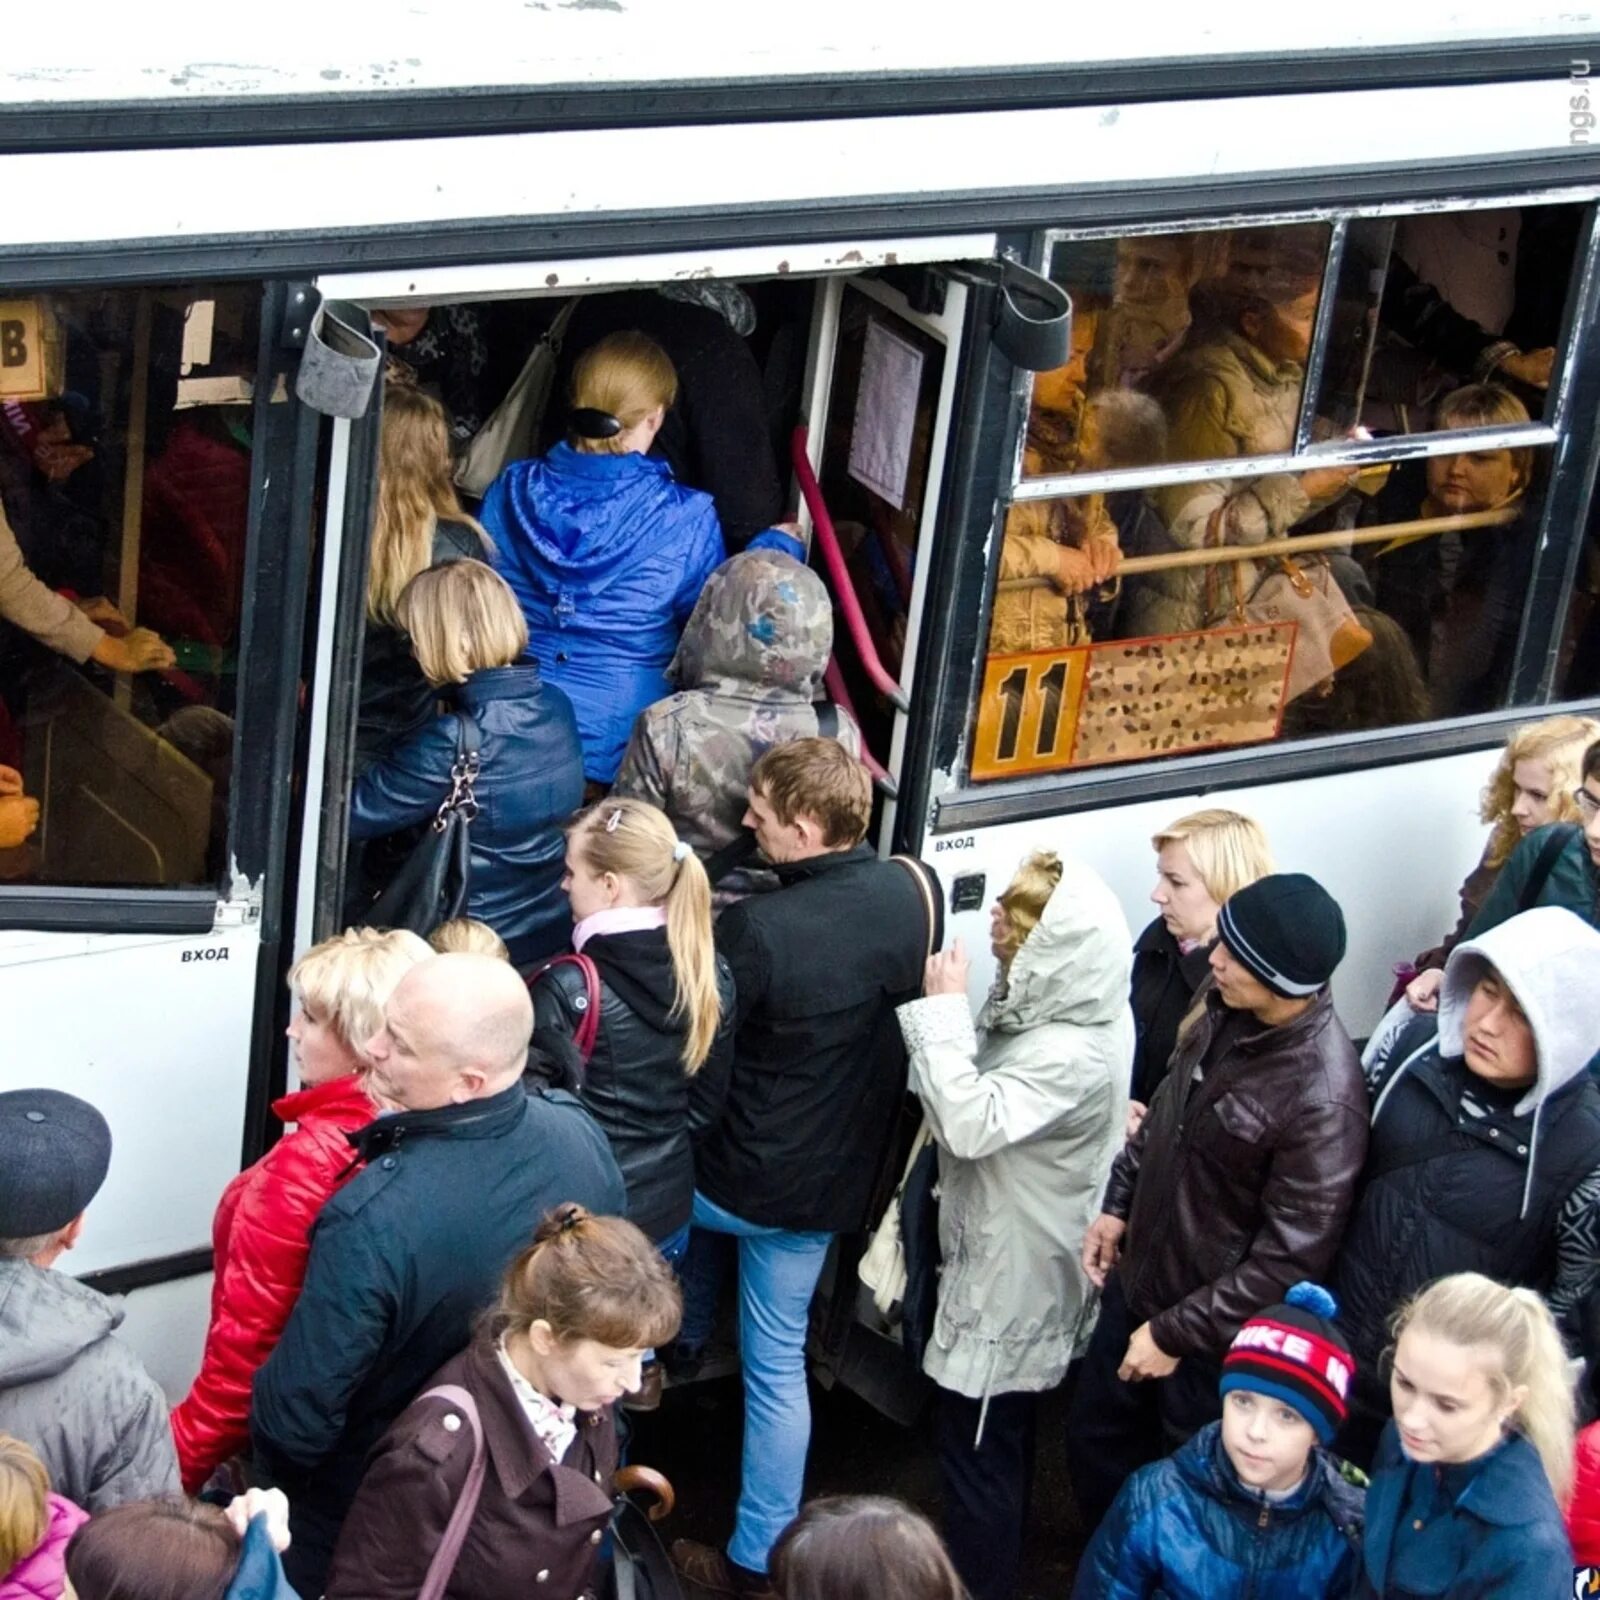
<point x="1583" y="1513"/>
<point x="261" y="1238"/>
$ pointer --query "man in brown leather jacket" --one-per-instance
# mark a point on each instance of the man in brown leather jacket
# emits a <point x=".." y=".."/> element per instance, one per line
<point x="1236" y="1186"/>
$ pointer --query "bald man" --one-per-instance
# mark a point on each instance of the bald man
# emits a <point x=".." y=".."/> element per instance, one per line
<point x="460" y="1167"/>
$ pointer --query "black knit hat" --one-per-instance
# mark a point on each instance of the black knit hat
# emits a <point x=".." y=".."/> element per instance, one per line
<point x="1287" y="929"/>
<point x="54" y="1152"/>
<point x="1295" y="1354"/>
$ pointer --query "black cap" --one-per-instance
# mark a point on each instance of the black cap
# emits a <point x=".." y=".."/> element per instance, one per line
<point x="1287" y="929"/>
<point x="54" y="1152"/>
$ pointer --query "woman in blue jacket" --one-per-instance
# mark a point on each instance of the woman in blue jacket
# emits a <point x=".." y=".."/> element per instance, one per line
<point x="466" y="630"/>
<point x="604" y="551"/>
<point x="1468" y="1474"/>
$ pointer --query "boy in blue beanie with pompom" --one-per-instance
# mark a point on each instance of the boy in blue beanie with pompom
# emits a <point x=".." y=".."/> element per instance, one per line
<point x="1255" y="1503"/>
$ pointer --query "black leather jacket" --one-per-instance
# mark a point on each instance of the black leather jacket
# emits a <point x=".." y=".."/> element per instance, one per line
<point x="635" y="1085"/>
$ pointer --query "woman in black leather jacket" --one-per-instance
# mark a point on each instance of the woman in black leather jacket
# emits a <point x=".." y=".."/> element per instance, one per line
<point x="643" y="908"/>
<point x="467" y="633"/>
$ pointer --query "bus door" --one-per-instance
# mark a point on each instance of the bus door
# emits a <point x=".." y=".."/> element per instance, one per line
<point x="155" y="474"/>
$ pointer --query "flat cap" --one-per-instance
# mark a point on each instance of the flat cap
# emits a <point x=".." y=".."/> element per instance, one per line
<point x="54" y="1152"/>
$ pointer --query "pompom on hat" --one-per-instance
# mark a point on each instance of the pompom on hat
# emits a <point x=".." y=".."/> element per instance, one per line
<point x="1294" y="1353"/>
<point x="55" y="1150"/>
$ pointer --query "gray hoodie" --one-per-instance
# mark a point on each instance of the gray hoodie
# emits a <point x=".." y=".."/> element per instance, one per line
<point x="78" y="1395"/>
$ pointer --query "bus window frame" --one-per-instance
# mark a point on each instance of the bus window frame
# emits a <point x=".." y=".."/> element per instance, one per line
<point x="1573" y="414"/>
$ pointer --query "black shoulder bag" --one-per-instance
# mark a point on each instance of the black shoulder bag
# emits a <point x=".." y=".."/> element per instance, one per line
<point x="431" y="887"/>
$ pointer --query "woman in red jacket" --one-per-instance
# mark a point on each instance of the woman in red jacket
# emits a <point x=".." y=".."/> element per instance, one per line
<point x="262" y="1232"/>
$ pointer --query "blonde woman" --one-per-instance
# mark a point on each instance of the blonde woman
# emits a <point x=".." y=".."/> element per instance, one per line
<point x="261" y="1234"/>
<point x="419" y="523"/>
<point x="605" y="552"/>
<point x="468" y="637"/>
<point x="1201" y="859"/>
<point x="643" y="909"/>
<point x="1470" y="1476"/>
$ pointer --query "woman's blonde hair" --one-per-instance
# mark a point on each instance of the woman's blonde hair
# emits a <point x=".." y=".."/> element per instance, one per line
<point x="1515" y="1328"/>
<point x="1559" y="742"/>
<point x="1487" y="405"/>
<point x="461" y="617"/>
<point x="590" y="1277"/>
<point x="626" y="375"/>
<point x="415" y="489"/>
<point x="636" y="842"/>
<point x="1228" y="849"/>
<point x="347" y="980"/>
<point x="1023" y="900"/>
<point x="24" y="1502"/>
<point x="466" y="936"/>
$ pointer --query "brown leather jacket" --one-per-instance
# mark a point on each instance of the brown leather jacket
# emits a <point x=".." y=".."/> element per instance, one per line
<point x="1239" y="1186"/>
<point x="539" y="1523"/>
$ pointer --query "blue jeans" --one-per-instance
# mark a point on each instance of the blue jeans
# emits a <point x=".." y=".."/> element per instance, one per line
<point x="778" y="1273"/>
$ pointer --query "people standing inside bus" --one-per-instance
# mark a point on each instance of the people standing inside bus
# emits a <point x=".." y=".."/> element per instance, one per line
<point x="405" y="1255"/>
<point x="643" y="912"/>
<point x="605" y="551"/>
<point x="35" y="1525"/>
<point x="1201" y="860"/>
<point x="1253" y="1504"/>
<point x="1485" y="1147"/>
<point x="1470" y="1475"/>
<point x="796" y="1126"/>
<point x="1027" y="1108"/>
<point x="261" y="1235"/>
<point x="749" y="674"/>
<point x="418" y="524"/>
<point x="862" y="1547"/>
<point x="577" y="1310"/>
<point x="69" y="1388"/>
<point x="1235" y="1186"/>
<point x="19" y="813"/>
<point x="468" y="635"/>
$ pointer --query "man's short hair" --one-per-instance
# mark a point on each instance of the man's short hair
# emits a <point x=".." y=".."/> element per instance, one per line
<point x="820" y="779"/>
<point x="36" y="1244"/>
<point x="1591" y="762"/>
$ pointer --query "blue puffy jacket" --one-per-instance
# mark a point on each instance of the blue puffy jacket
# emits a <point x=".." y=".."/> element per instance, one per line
<point x="606" y="556"/>
<point x="1187" y="1529"/>
<point x="530" y="781"/>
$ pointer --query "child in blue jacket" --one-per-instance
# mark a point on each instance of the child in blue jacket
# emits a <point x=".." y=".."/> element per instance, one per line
<point x="1252" y="1505"/>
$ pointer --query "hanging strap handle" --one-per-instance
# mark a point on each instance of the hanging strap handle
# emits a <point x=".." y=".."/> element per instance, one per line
<point x="445" y="1557"/>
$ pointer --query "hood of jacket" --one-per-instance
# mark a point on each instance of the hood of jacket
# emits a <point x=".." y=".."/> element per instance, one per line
<point x="763" y="621"/>
<point x="46" y="1321"/>
<point x="1073" y="967"/>
<point x="1550" y="960"/>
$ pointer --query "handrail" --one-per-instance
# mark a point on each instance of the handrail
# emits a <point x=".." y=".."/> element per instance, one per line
<point x="833" y="681"/>
<point x="844" y="590"/>
<point x="1210" y="555"/>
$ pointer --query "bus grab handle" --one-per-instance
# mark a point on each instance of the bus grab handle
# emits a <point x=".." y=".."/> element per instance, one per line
<point x="843" y="589"/>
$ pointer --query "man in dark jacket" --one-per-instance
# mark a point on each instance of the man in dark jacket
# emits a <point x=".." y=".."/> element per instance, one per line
<point x="793" y="1131"/>
<point x="1235" y="1187"/>
<point x="1485" y="1149"/>
<point x="403" y="1257"/>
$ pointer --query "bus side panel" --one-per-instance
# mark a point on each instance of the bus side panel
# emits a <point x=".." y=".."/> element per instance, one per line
<point x="155" y="1031"/>
<point x="1392" y="846"/>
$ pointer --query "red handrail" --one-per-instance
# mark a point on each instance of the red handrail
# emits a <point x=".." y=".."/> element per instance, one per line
<point x="833" y="681"/>
<point x="844" y="591"/>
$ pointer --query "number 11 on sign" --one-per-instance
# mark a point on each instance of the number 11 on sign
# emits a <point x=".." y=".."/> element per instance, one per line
<point x="1028" y="713"/>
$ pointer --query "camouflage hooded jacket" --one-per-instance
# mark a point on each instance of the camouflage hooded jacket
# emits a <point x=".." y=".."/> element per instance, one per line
<point x="749" y="667"/>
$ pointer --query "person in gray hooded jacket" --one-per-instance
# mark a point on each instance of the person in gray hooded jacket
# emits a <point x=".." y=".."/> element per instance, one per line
<point x="1027" y="1109"/>
<point x="1485" y="1147"/>
<point x="68" y="1387"/>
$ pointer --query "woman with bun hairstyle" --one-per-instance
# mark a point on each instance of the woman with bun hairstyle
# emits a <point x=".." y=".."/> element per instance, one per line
<point x="578" y="1309"/>
<point x="1472" y="1472"/>
<point x="862" y="1547"/>
<point x="604" y="550"/>
<point x="642" y="904"/>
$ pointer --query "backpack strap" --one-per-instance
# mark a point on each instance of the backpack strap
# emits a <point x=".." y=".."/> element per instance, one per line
<point x="587" y="1005"/>
<point x="827" y="719"/>
<point x="730" y="857"/>
<point x="437" y="1579"/>
<point x="1544" y="864"/>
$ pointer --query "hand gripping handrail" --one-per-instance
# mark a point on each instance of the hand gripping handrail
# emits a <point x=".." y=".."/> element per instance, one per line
<point x="844" y="591"/>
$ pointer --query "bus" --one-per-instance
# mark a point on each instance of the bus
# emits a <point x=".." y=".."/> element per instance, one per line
<point x="978" y="267"/>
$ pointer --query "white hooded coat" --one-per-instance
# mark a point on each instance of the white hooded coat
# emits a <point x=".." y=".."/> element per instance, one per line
<point x="1028" y="1111"/>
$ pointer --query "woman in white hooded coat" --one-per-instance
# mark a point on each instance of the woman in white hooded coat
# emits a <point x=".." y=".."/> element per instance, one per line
<point x="1027" y="1108"/>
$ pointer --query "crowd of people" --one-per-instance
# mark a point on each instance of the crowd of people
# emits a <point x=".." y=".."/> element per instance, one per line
<point x="1315" y="1308"/>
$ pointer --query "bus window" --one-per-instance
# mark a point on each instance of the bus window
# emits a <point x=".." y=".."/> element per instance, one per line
<point x="125" y="485"/>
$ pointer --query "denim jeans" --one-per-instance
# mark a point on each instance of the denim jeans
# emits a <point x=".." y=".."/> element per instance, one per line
<point x="778" y="1273"/>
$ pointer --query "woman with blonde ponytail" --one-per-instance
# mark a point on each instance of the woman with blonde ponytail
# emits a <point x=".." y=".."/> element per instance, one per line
<point x="1470" y="1476"/>
<point x="642" y="907"/>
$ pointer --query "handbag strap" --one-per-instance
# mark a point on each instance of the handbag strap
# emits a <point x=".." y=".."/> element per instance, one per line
<point x="932" y="904"/>
<point x="1544" y="864"/>
<point x="588" y="1029"/>
<point x="464" y="772"/>
<point x="437" y="1579"/>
